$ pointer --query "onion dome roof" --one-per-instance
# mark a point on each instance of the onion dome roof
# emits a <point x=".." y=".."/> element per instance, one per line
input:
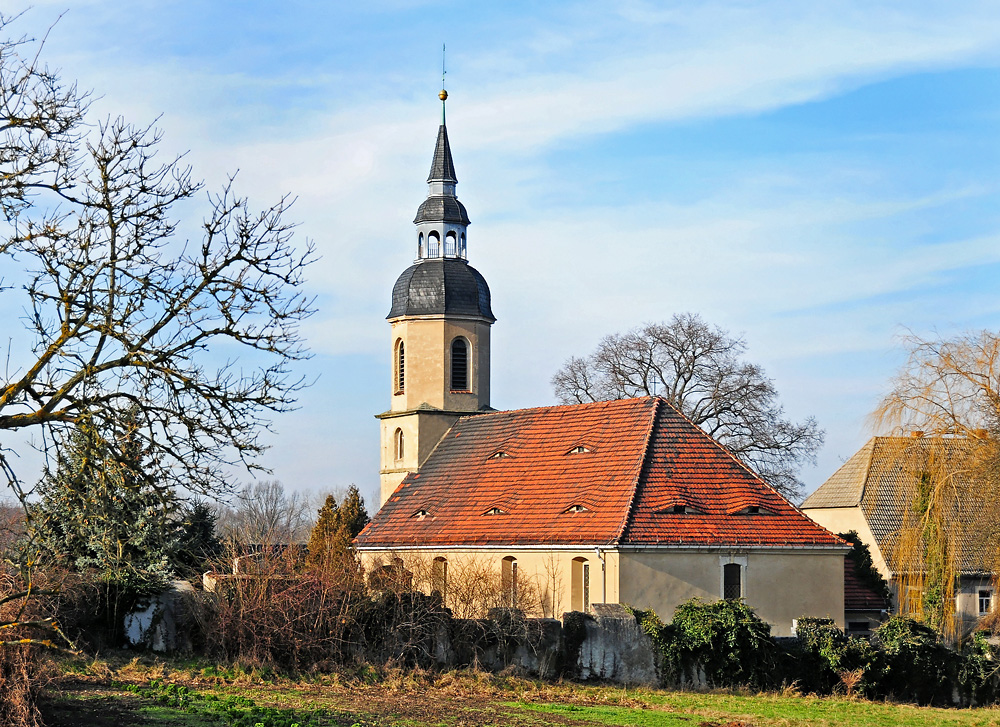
<point x="439" y="286"/>
<point x="441" y="209"/>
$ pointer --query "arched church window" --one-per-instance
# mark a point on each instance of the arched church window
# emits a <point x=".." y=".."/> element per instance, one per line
<point x="439" y="577"/>
<point x="459" y="365"/>
<point x="420" y="245"/>
<point x="508" y="581"/>
<point x="400" y="366"/>
<point x="461" y="246"/>
<point x="433" y="245"/>
<point x="450" y="245"/>
<point x="580" y="584"/>
<point x="398" y="441"/>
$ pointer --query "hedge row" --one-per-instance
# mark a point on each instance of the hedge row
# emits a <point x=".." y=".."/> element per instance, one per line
<point x="725" y="644"/>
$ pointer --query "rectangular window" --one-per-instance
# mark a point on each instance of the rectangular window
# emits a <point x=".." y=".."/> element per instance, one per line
<point x="732" y="581"/>
<point x="586" y="586"/>
<point x="985" y="602"/>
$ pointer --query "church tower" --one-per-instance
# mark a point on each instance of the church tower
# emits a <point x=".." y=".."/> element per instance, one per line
<point x="440" y="321"/>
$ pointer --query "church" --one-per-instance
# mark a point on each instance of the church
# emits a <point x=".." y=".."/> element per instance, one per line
<point x="562" y="507"/>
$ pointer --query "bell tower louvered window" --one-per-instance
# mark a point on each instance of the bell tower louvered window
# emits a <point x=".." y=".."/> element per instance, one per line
<point x="400" y="367"/>
<point x="459" y="365"/>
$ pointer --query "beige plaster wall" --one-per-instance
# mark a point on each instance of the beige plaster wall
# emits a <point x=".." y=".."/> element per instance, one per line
<point x="843" y="519"/>
<point x="427" y="358"/>
<point x="544" y="576"/>
<point x="779" y="586"/>
<point x="422" y="430"/>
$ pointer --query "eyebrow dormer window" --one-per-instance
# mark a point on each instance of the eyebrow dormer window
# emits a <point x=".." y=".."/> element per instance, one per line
<point x="578" y="449"/>
<point x="499" y="455"/>
<point x="494" y="511"/>
<point x="753" y="510"/>
<point x="578" y="508"/>
<point x="420" y="514"/>
<point x="679" y="509"/>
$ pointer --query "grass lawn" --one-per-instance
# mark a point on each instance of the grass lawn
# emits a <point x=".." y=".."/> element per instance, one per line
<point x="110" y="693"/>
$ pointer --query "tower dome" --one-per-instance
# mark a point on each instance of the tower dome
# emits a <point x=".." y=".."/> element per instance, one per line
<point x="442" y="286"/>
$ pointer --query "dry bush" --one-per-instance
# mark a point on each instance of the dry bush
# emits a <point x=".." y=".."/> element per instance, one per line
<point x="471" y="586"/>
<point x="18" y="685"/>
<point x="25" y="631"/>
<point x="280" y="614"/>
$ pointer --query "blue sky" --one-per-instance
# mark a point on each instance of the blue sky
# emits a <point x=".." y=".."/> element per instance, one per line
<point x="819" y="177"/>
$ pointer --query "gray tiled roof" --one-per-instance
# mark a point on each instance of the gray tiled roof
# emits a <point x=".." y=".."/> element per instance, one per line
<point x="884" y="478"/>
<point x="442" y="168"/>
<point x="846" y="486"/>
<point x="438" y="286"/>
<point x="441" y="209"/>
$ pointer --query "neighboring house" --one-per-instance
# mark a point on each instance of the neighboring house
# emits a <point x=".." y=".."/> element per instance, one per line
<point x="878" y="493"/>
<point x="622" y="501"/>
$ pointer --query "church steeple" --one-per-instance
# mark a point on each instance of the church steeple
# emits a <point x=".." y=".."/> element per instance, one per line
<point x="442" y="222"/>
<point x="440" y="318"/>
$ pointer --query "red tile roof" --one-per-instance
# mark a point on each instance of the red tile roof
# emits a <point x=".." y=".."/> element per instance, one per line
<point x="858" y="596"/>
<point x="644" y="459"/>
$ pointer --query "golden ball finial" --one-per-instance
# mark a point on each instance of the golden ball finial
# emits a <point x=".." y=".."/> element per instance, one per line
<point x="443" y="95"/>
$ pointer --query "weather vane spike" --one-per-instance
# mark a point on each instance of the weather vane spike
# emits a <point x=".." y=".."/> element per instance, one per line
<point x="444" y="94"/>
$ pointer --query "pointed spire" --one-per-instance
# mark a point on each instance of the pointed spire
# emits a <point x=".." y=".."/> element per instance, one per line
<point x="443" y="166"/>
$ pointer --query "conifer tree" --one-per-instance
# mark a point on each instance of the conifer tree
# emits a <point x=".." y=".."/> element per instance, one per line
<point x="99" y="510"/>
<point x="196" y="541"/>
<point x="337" y="525"/>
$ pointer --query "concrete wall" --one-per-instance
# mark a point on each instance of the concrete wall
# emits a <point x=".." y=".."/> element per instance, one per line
<point x="779" y="586"/>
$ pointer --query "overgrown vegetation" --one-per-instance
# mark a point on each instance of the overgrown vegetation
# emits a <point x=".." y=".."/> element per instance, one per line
<point x="368" y="695"/>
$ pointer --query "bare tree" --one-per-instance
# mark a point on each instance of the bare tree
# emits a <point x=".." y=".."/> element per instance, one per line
<point x="949" y="392"/>
<point x="197" y="337"/>
<point x="40" y="124"/>
<point x="265" y="513"/>
<point x="699" y="369"/>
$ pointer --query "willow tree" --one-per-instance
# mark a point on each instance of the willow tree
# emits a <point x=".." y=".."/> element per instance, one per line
<point x="196" y="337"/>
<point x="948" y="395"/>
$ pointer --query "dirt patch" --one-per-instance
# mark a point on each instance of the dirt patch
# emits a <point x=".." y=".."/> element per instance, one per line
<point x="94" y="706"/>
<point x="97" y="705"/>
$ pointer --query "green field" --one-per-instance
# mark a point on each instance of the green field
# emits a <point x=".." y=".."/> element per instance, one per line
<point x="166" y="694"/>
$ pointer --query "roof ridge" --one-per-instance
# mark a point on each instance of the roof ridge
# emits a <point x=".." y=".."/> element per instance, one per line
<point x="590" y="404"/>
<point x="637" y="483"/>
<point x="868" y="473"/>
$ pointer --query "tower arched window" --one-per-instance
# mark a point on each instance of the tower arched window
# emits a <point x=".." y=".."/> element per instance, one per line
<point x="450" y="245"/>
<point x="420" y="245"/>
<point x="459" y="365"/>
<point x="400" y="366"/>
<point x="398" y="444"/>
<point x="433" y="244"/>
<point x="461" y="246"/>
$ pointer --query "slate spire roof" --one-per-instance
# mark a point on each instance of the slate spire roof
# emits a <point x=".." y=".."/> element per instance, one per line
<point x="619" y="473"/>
<point x="442" y="166"/>
<point x="441" y="204"/>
